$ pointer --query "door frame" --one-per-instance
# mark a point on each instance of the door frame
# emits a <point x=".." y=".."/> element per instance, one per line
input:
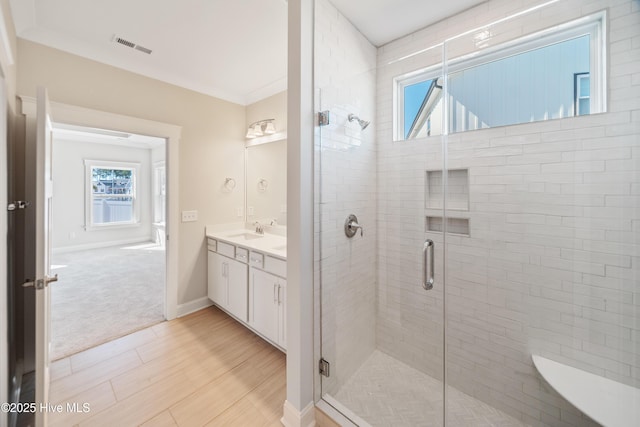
<point x="5" y="343"/>
<point x="80" y="116"/>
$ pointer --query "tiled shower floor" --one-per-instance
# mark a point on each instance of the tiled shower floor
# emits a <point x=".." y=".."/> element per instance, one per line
<point x="386" y="392"/>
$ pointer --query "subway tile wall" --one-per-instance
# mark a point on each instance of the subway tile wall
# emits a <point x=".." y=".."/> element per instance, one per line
<point x="345" y="158"/>
<point x="551" y="265"/>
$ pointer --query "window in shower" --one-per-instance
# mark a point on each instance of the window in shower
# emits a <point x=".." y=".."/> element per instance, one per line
<point x="422" y="99"/>
<point x="547" y="75"/>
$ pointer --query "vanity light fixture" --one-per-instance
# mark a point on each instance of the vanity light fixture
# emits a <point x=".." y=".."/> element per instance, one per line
<point x="261" y="127"/>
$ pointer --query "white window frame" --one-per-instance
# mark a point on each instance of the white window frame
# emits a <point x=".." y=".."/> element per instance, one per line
<point x="102" y="164"/>
<point x="593" y="25"/>
<point x="578" y="96"/>
<point x="399" y="85"/>
<point x="159" y="191"/>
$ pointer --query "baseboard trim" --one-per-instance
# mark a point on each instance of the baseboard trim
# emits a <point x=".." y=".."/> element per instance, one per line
<point x="193" y="306"/>
<point x="98" y="245"/>
<point x="292" y="418"/>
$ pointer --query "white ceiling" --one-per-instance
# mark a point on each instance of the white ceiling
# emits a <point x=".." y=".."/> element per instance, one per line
<point x="382" y="21"/>
<point x="231" y="49"/>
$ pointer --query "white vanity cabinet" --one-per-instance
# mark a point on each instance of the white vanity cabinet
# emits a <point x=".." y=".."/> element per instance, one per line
<point x="250" y="285"/>
<point x="227" y="284"/>
<point x="267" y="302"/>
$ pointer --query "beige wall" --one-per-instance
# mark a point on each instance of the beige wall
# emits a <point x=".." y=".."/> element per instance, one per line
<point x="268" y="161"/>
<point x="273" y="107"/>
<point x="211" y="145"/>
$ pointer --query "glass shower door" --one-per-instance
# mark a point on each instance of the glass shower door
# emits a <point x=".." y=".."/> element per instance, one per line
<point x="542" y="250"/>
<point x="381" y="339"/>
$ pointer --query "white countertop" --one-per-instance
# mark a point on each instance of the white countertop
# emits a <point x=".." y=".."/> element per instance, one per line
<point x="267" y="243"/>
<point x="608" y="402"/>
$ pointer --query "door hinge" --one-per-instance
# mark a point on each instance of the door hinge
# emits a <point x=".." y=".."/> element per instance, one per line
<point x="324" y="368"/>
<point x="40" y="283"/>
<point x="18" y="204"/>
<point x="323" y="118"/>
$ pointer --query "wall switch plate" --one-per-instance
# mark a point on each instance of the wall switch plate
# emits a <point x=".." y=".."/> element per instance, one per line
<point x="239" y="212"/>
<point x="283" y="208"/>
<point x="189" y="216"/>
<point x="250" y="210"/>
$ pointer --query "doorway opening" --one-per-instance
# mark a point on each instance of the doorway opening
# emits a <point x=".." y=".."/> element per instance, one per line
<point x="108" y="236"/>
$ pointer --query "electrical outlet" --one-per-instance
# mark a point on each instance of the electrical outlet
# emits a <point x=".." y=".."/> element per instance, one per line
<point x="189" y="216"/>
<point x="283" y="208"/>
<point x="249" y="210"/>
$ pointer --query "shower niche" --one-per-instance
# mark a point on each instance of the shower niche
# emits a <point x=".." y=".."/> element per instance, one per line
<point x="457" y="201"/>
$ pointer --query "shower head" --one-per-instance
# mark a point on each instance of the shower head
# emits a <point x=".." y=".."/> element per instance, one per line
<point x="363" y="123"/>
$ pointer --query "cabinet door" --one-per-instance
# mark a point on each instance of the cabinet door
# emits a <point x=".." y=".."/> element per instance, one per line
<point x="282" y="314"/>
<point x="237" y="289"/>
<point x="217" y="278"/>
<point x="263" y="303"/>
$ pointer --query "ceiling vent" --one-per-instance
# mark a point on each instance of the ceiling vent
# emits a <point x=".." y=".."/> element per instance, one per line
<point x="132" y="45"/>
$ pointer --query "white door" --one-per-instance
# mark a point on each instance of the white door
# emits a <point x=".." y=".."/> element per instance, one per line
<point x="282" y="312"/>
<point x="43" y="249"/>
<point x="217" y="278"/>
<point x="263" y="305"/>
<point x="237" y="289"/>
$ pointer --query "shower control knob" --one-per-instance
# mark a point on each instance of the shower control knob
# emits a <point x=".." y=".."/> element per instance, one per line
<point x="351" y="226"/>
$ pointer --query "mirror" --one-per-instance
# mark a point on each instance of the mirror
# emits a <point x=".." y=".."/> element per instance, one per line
<point x="267" y="183"/>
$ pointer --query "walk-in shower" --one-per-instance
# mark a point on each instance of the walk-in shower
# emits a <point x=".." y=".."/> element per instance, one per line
<point x="501" y="165"/>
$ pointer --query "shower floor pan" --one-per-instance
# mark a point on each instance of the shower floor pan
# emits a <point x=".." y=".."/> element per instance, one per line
<point x="386" y="392"/>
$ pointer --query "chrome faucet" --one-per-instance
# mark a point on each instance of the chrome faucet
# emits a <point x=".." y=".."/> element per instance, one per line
<point x="259" y="228"/>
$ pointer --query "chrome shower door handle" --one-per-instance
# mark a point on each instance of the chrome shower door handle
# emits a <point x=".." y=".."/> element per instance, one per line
<point x="427" y="264"/>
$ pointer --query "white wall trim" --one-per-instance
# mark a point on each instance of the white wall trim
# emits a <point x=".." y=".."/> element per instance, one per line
<point x="6" y="60"/>
<point x="291" y="417"/>
<point x="193" y="306"/>
<point x="300" y="179"/>
<point x="98" y="245"/>
<point x="80" y="116"/>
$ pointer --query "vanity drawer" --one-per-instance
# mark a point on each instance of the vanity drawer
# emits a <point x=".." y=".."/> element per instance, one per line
<point x="275" y="266"/>
<point x="226" y="249"/>
<point x="242" y="254"/>
<point x="256" y="259"/>
<point x="212" y="244"/>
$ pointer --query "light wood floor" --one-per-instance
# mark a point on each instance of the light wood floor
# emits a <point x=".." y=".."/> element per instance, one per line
<point x="202" y="369"/>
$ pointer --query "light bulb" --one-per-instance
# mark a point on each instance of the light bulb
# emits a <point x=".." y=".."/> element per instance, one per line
<point x="270" y="128"/>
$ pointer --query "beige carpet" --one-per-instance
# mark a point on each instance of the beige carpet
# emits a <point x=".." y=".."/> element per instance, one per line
<point x="102" y="294"/>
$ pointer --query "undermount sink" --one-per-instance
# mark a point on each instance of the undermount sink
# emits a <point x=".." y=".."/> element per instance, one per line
<point x="246" y="236"/>
<point x="280" y="248"/>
